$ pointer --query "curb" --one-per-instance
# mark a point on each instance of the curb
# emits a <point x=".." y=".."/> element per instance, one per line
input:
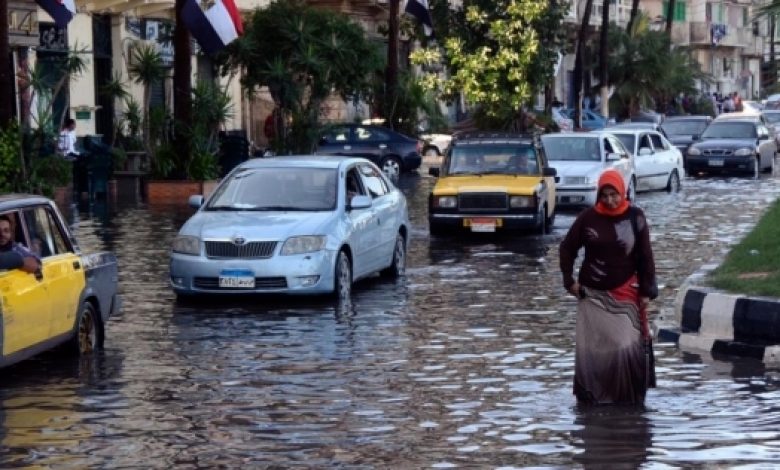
<point x="721" y="323"/>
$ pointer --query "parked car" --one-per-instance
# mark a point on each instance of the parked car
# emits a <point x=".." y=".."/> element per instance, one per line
<point x="637" y="125"/>
<point x="293" y="225"/>
<point x="392" y="151"/>
<point x="682" y="131"/>
<point x="565" y="124"/>
<point x="68" y="301"/>
<point x="435" y="144"/>
<point x="591" y="120"/>
<point x="733" y="145"/>
<point x="492" y="182"/>
<point x="646" y="115"/>
<point x="658" y="164"/>
<point x="580" y="159"/>
<point x="773" y="117"/>
<point x="759" y="117"/>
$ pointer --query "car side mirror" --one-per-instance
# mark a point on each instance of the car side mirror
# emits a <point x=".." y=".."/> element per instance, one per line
<point x="549" y="171"/>
<point x="195" y="201"/>
<point x="433" y="171"/>
<point x="613" y="157"/>
<point x="645" y="151"/>
<point x="360" y="202"/>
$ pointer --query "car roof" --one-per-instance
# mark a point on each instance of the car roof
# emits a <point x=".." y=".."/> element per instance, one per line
<point x="14" y="201"/>
<point x="301" y="161"/>
<point x="569" y="135"/>
<point x="687" y="118"/>
<point x="491" y="137"/>
<point x="625" y="130"/>
<point x="745" y="116"/>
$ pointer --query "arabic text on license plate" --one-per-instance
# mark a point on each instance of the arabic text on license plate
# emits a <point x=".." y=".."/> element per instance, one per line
<point x="483" y="225"/>
<point x="716" y="162"/>
<point x="240" y="282"/>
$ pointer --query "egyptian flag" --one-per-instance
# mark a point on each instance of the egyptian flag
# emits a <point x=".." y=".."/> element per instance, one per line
<point x="419" y="9"/>
<point x="61" y="11"/>
<point x="214" y="28"/>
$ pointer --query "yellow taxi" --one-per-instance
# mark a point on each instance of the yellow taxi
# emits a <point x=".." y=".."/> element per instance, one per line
<point x="67" y="299"/>
<point x="493" y="182"/>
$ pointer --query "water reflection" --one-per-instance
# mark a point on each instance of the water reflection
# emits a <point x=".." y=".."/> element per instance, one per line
<point x="622" y="433"/>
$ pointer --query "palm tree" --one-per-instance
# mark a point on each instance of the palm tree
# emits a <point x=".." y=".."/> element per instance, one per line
<point x="603" y="59"/>
<point x="578" y="65"/>
<point x="146" y="68"/>
<point x="115" y="89"/>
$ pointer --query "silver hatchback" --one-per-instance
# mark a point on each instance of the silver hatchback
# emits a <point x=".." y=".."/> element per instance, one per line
<point x="296" y="225"/>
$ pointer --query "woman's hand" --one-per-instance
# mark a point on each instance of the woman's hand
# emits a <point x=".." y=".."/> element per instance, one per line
<point x="574" y="289"/>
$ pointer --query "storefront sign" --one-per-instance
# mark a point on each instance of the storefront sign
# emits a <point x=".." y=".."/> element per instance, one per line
<point x="22" y="24"/>
<point x="52" y="38"/>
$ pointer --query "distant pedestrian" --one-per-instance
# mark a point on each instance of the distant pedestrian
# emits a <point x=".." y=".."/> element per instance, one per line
<point x="67" y="140"/>
<point x="613" y="359"/>
<point x="728" y="104"/>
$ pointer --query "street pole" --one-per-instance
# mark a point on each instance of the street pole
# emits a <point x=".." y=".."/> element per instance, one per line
<point x="391" y="72"/>
<point x="6" y="84"/>
<point x="182" y="85"/>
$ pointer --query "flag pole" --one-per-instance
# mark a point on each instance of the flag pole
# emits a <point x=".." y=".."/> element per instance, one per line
<point x="6" y="84"/>
<point x="182" y="85"/>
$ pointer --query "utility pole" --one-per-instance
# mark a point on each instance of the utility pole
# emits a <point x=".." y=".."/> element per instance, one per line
<point x="391" y="72"/>
<point x="6" y="84"/>
<point x="182" y="85"/>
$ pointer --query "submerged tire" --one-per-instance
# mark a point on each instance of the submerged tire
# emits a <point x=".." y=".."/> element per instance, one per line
<point x="88" y="332"/>
<point x="342" y="281"/>
<point x="398" y="266"/>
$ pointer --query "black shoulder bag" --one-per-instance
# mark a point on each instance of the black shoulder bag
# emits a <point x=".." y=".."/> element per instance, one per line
<point x="640" y="262"/>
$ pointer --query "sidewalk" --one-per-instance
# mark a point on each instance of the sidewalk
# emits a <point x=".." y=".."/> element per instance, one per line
<point x="722" y="323"/>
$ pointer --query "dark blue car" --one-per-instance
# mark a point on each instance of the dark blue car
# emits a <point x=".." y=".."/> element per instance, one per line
<point x="392" y="151"/>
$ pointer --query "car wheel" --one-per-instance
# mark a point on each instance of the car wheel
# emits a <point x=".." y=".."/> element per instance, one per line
<point x="541" y="229"/>
<point x="756" y="167"/>
<point x="631" y="193"/>
<point x="87" y="338"/>
<point x="392" y="167"/>
<point x="342" y="283"/>
<point x="431" y="151"/>
<point x="549" y="223"/>
<point x="398" y="265"/>
<point x="771" y="168"/>
<point x="674" y="182"/>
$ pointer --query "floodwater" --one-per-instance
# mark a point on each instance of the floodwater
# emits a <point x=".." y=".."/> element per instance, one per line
<point x="467" y="362"/>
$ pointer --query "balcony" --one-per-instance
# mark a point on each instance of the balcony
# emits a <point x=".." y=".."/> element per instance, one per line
<point x="735" y="36"/>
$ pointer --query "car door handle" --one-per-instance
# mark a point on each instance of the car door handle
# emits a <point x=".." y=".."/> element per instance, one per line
<point x="347" y="147"/>
<point x="76" y="265"/>
<point x="382" y="146"/>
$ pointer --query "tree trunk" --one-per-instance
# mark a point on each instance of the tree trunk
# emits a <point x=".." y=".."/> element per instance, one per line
<point x="632" y="17"/>
<point x="182" y="86"/>
<point x="772" y="61"/>
<point x="578" y="64"/>
<point x="669" y="18"/>
<point x="6" y="85"/>
<point x="391" y="72"/>
<point x="603" y="59"/>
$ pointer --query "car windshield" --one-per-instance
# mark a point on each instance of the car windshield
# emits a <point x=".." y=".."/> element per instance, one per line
<point x="730" y="130"/>
<point x="684" y="127"/>
<point x="277" y="189"/>
<point x="772" y="117"/>
<point x="514" y="159"/>
<point x="572" y="149"/>
<point x="627" y="140"/>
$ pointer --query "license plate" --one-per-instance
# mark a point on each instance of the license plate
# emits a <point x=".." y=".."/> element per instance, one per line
<point x="716" y="162"/>
<point x="237" y="280"/>
<point x="482" y="224"/>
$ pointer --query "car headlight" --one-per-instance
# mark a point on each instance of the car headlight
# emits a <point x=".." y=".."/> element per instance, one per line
<point x="516" y="202"/>
<point x="305" y="244"/>
<point x="186" y="244"/>
<point x="744" y="152"/>
<point x="693" y="151"/>
<point x="576" y="180"/>
<point x="447" y="202"/>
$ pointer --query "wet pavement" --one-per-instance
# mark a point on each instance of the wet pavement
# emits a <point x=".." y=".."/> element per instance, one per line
<point x="467" y="362"/>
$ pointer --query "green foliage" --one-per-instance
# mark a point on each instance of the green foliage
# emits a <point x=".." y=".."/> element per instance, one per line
<point x="302" y="54"/>
<point x="10" y="158"/>
<point x="413" y="103"/>
<point x="146" y="68"/>
<point x="164" y="161"/>
<point x="499" y="54"/>
<point x="211" y="109"/>
<point x="48" y="172"/>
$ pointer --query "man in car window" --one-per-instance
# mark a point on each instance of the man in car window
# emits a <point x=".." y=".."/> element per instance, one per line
<point x="469" y="163"/>
<point x="12" y="254"/>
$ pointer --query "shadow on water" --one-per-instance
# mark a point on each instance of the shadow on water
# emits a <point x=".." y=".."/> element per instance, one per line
<point x="624" y="434"/>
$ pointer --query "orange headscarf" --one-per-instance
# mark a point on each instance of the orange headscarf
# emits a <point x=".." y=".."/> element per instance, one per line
<point x="612" y="177"/>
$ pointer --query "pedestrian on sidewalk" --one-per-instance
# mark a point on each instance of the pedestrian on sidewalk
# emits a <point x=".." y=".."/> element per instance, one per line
<point x="613" y="354"/>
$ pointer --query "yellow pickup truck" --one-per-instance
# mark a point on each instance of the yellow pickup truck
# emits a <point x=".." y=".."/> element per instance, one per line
<point x="68" y="300"/>
<point x="493" y="182"/>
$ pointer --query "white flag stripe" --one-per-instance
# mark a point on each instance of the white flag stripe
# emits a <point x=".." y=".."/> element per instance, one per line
<point x="222" y="23"/>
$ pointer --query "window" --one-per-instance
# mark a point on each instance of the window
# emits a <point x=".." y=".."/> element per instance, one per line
<point x="658" y="144"/>
<point x="373" y="180"/>
<point x="46" y="236"/>
<point x="679" y="11"/>
<point x="336" y="135"/>
<point x="354" y="186"/>
<point x="367" y="134"/>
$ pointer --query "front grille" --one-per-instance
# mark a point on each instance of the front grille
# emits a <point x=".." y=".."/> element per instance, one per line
<point x="717" y="152"/>
<point x="260" y="283"/>
<point x="482" y="201"/>
<point x="247" y="250"/>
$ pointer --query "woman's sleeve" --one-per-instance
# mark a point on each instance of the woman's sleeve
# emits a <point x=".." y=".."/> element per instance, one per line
<point x="646" y="269"/>
<point x="568" y="250"/>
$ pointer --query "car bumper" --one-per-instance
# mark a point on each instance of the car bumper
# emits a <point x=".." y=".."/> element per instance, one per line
<point x="575" y="196"/>
<point x="728" y="164"/>
<point x="309" y="273"/>
<point x="482" y="222"/>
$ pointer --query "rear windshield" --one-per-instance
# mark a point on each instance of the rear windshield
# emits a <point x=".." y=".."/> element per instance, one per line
<point x="684" y="127"/>
<point x="730" y="130"/>
<point x="486" y="159"/>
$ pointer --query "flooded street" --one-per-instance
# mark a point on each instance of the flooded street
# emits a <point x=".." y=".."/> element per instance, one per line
<point x="466" y="362"/>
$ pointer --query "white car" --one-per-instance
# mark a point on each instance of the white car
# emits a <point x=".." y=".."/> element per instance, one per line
<point x="295" y="225"/>
<point x="658" y="163"/>
<point x="579" y="160"/>
<point x="436" y="144"/>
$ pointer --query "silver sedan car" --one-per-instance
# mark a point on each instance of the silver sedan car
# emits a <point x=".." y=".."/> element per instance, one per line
<point x="296" y="225"/>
